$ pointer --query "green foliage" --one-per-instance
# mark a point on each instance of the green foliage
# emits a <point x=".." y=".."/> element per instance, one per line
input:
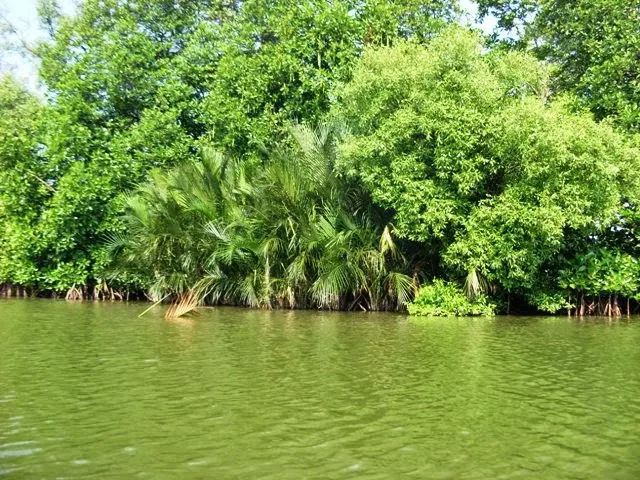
<point x="593" y="44"/>
<point x="289" y="233"/>
<point x="446" y="299"/>
<point x="549" y="302"/>
<point x="418" y="118"/>
<point x="270" y="62"/>
<point x="24" y="185"/>
<point x="601" y="271"/>
<point x="460" y="161"/>
<point x="464" y="147"/>
<point x="114" y="111"/>
<point x="596" y="45"/>
<point x="136" y="85"/>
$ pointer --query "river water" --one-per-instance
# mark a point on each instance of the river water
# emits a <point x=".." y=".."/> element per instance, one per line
<point x="93" y="391"/>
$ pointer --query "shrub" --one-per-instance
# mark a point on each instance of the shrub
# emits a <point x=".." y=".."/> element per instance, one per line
<point x="446" y="299"/>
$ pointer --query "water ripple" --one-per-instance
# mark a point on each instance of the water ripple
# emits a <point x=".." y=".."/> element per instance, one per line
<point x="92" y="391"/>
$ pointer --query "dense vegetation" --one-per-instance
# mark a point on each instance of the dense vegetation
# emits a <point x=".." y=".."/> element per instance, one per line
<point x="442" y="298"/>
<point x="289" y="232"/>
<point x="593" y="45"/>
<point x="345" y="155"/>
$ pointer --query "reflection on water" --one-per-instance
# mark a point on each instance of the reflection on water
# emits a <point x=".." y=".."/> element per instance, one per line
<point x="90" y="390"/>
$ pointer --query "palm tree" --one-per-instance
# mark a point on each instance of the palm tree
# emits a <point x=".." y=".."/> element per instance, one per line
<point x="290" y="233"/>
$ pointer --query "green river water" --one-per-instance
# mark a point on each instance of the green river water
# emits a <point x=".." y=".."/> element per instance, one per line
<point x="92" y="391"/>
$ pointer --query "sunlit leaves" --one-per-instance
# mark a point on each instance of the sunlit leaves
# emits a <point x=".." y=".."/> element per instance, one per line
<point x="465" y="148"/>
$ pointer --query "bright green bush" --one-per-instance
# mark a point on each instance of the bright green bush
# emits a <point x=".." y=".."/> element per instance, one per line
<point x="476" y="163"/>
<point x="444" y="299"/>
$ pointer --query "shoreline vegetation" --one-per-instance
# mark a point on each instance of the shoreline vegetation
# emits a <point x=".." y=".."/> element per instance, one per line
<point x="346" y="155"/>
<point x="422" y="305"/>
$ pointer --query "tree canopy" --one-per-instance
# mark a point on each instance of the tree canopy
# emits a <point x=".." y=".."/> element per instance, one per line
<point x="465" y="149"/>
<point x="329" y="154"/>
<point x="594" y="46"/>
<point x="136" y="85"/>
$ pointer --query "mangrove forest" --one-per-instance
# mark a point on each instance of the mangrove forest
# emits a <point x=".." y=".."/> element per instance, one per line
<point x="358" y="155"/>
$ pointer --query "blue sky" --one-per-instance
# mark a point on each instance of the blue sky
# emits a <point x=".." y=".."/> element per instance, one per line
<point x="23" y="14"/>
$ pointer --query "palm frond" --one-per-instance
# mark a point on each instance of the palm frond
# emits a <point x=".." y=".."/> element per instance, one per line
<point x="475" y="284"/>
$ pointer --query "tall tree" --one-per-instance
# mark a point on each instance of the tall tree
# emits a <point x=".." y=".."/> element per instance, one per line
<point x="595" y="45"/>
<point x="466" y="150"/>
<point x="272" y="62"/>
<point x="133" y="85"/>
